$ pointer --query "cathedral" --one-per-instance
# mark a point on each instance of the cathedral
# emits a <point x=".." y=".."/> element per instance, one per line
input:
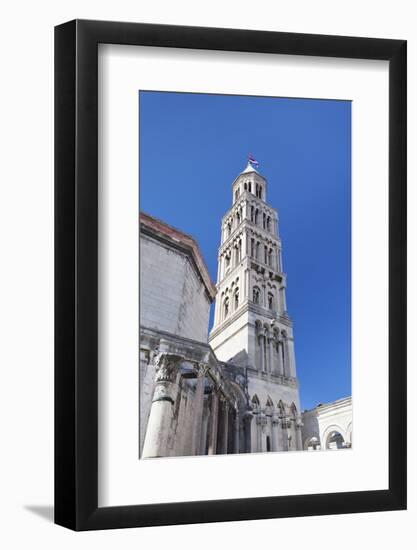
<point x="235" y="391"/>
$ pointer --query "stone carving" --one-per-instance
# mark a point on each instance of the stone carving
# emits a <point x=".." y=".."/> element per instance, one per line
<point x="166" y="366"/>
<point x="298" y="422"/>
<point x="202" y="369"/>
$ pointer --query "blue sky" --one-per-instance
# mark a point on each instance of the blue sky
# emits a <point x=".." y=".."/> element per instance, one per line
<point x="192" y="147"/>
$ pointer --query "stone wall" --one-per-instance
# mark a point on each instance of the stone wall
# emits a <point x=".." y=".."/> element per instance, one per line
<point x="173" y="297"/>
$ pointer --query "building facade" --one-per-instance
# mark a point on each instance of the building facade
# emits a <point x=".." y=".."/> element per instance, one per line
<point x="235" y="391"/>
<point x="328" y="426"/>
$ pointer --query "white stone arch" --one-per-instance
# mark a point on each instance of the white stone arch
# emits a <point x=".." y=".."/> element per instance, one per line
<point x="312" y="441"/>
<point x="256" y="294"/>
<point x="329" y="431"/>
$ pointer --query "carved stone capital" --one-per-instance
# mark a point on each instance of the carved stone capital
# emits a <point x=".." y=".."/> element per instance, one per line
<point x="275" y="419"/>
<point x="166" y="365"/>
<point x="201" y="369"/>
<point x="261" y="419"/>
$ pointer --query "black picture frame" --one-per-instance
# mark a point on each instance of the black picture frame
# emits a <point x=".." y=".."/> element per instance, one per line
<point x="76" y="272"/>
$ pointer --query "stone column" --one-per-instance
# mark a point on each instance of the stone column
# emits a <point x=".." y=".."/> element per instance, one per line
<point x="284" y="350"/>
<point x="284" y="299"/>
<point x="217" y="310"/>
<point x="237" y="432"/>
<point x="204" y="428"/>
<point x="225" y="427"/>
<point x="247" y="284"/>
<point x="247" y="419"/>
<point x="262" y="354"/>
<point x="274" y="434"/>
<point x="271" y="355"/>
<point x="284" y="426"/>
<point x="280" y="358"/>
<point x="282" y="303"/>
<point x="158" y="431"/>
<point x="298" y="434"/>
<point x="198" y="409"/>
<point x="259" y="424"/>
<point x="291" y="358"/>
<point x="213" y="423"/>
<point x="244" y="245"/>
<point x="254" y="434"/>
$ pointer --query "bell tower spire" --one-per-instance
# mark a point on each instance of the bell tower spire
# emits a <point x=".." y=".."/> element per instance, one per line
<point x="251" y="325"/>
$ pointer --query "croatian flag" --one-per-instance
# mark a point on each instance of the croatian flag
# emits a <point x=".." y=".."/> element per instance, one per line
<point x="253" y="161"/>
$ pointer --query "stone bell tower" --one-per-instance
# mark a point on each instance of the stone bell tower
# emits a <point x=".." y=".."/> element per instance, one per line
<point x="251" y="326"/>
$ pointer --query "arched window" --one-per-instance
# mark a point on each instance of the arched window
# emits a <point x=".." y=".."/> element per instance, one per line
<point x="264" y="220"/>
<point x="252" y="248"/>
<point x="270" y="260"/>
<point x="256" y="295"/>
<point x="335" y="440"/>
<point x="269" y="408"/>
<point x="255" y="403"/>
<point x="265" y="254"/>
<point x="312" y="444"/>
<point x="270" y="301"/>
<point x="268" y="444"/>
<point x="258" y="244"/>
<point x="245" y="186"/>
<point x="260" y="191"/>
<point x="256" y="216"/>
<point x="250" y="187"/>
<point x="252" y="213"/>
<point x="257" y="190"/>
<point x="236" y="298"/>
<point x="225" y="307"/>
<point x="268" y="223"/>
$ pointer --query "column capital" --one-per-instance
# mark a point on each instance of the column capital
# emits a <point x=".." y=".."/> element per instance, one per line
<point x="261" y="419"/>
<point x="299" y="422"/>
<point x="166" y="366"/>
<point x="201" y="369"/>
<point x="275" y="419"/>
